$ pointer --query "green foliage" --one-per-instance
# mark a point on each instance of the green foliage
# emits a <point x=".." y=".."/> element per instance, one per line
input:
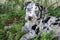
<point x="54" y="12"/>
<point x="47" y="36"/>
<point x="9" y="14"/>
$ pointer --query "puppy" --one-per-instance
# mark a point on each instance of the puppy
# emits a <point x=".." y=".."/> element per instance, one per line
<point x="37" y="19"/>
<point x="34" y="13"/>
<point x="48" y="25"/>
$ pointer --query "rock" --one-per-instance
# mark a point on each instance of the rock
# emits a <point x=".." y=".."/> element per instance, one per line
<point x="7" y="27"/>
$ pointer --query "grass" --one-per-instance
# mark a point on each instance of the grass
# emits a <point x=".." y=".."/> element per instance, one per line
<point x="9" y="15"/>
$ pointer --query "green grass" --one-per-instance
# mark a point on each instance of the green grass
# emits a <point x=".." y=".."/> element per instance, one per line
<point x="10" y="15"/>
